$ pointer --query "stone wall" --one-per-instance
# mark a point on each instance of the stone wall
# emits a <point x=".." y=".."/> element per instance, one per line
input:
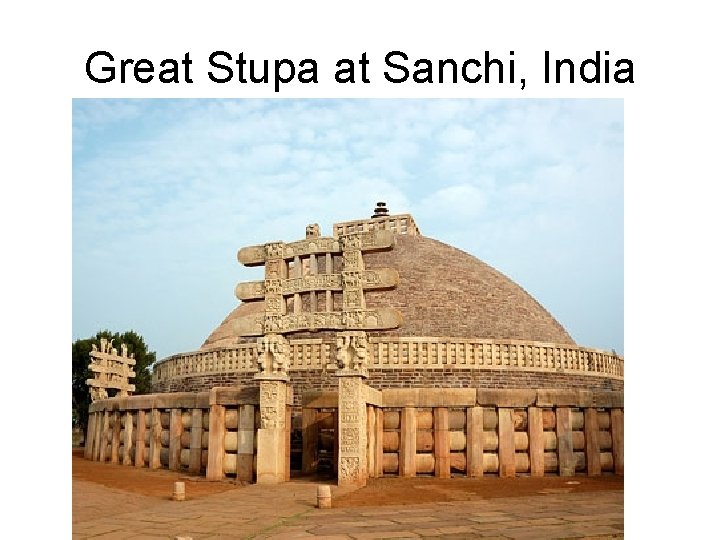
<point x="507" y="363"/>
<point x="211" y="433"/>
<point x="469" y="432"/>
<point x="308" y="380"/>
<point x="373" y="432"/>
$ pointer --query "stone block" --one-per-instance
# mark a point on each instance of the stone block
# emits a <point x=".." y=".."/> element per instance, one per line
<point x="320" y="400"/>
<point x="563" y="429"/>
<point x="271" y="456"/>
<point x="428" y="397"/>
<point x="408" y="438"/>
<point x="144" y="402"/>
<point x="608" y="399"/>
<point x="618" y="440"/>
<point x="592" y="446"/>
<point x="506" y="397"/>
<point x="373" y="397"/>
<point x="564" y="398"/>
<point x="506" y="443"/>
<point x="474" y="442"/>
<point x="244" y="468"/>
<point x="216" y="443"/>
<point x="234" y="396"/>
<point x="537" y="438"/>
<point x="176" y="400"/>
<point x="442" y="442"/>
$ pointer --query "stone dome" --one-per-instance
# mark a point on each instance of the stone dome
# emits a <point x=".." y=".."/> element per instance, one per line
<point x="443" y="292"/>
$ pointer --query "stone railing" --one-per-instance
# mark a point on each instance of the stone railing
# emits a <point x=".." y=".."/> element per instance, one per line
<point x="407" y="352"/>
<point x="492" y="354"/>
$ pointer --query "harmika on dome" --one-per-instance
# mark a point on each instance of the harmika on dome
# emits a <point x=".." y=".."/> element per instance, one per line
<point x="372" y="352"/>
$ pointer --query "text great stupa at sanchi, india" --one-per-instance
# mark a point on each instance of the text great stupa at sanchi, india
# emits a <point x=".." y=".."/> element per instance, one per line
<point x="374" y="351"/>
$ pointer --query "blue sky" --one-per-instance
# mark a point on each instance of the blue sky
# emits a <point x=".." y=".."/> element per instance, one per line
<point x="166" y="191"/>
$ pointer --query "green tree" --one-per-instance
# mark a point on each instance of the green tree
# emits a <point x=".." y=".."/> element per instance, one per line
<point x="80" y="371"/>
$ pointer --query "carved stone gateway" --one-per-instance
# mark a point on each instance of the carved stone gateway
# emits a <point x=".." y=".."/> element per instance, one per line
<point x="279" y="289"/>
<point x="111" y="370"/>
<point x="291" y="276"/>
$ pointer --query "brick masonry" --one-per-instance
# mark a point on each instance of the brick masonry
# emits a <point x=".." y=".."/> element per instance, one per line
<point x="313" y="380"/>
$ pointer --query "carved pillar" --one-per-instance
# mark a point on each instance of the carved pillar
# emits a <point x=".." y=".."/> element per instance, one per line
<point x="271" y="438"/>
<point x="271" y="434"/>
<point x="352" y="428"/>
<point x="352" y="408"/>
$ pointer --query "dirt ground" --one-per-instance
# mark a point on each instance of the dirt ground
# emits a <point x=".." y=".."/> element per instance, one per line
<point x="378" y="492"/>
<point x="399" y="491"/>
<point x="143" y="481"/>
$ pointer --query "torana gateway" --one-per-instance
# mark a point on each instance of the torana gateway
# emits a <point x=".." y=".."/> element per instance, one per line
<point x="375" y="351"/>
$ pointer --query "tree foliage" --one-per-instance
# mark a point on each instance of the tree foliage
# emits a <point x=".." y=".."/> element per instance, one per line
<point x="81" y="372"/>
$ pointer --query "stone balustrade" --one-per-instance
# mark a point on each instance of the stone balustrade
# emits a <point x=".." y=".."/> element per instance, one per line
<point x="406" y="352"/>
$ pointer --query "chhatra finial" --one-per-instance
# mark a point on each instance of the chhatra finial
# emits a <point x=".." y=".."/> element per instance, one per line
<point x="381" y="210"/>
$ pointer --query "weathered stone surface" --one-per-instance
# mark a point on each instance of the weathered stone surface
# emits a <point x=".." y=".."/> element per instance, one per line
<point x="272" y="437"/>
<point x="110" y="370"/>
<point x="408" y="436"/>
<point x="617" y="430"/>
<point x="216" y="443"/>
<point x="379" y="441"/>
<point x="141" y="425"/>
<point x="352" y="412"/>
<point x="271" y="455"/>
<point x="351" y="352"/>
<point x="196" y="434"/>
<point x="608" y="400"/>
<point x="475" y="436"/>
<point x="566" y="459"/>
<point x="369" y="279"/>
<point x="564" y="398"/>
<point x="175" y="434"/>
<point x="320" y="400"/>
<point x="428" y="397"/>
<point x="373" y="396"/>
<point x="506" y="397"/>
<point x="442" y="442"/>
<point x="272" y="357"/>
<point x="371" y="442"/>
<point x="155" y="444"/>
<point x="592" y="445"/>
<point x="536" y="441"/>
<point x="506" y="442"/>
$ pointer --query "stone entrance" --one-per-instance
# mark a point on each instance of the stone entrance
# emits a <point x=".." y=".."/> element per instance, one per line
<point x="292" y="278"/>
